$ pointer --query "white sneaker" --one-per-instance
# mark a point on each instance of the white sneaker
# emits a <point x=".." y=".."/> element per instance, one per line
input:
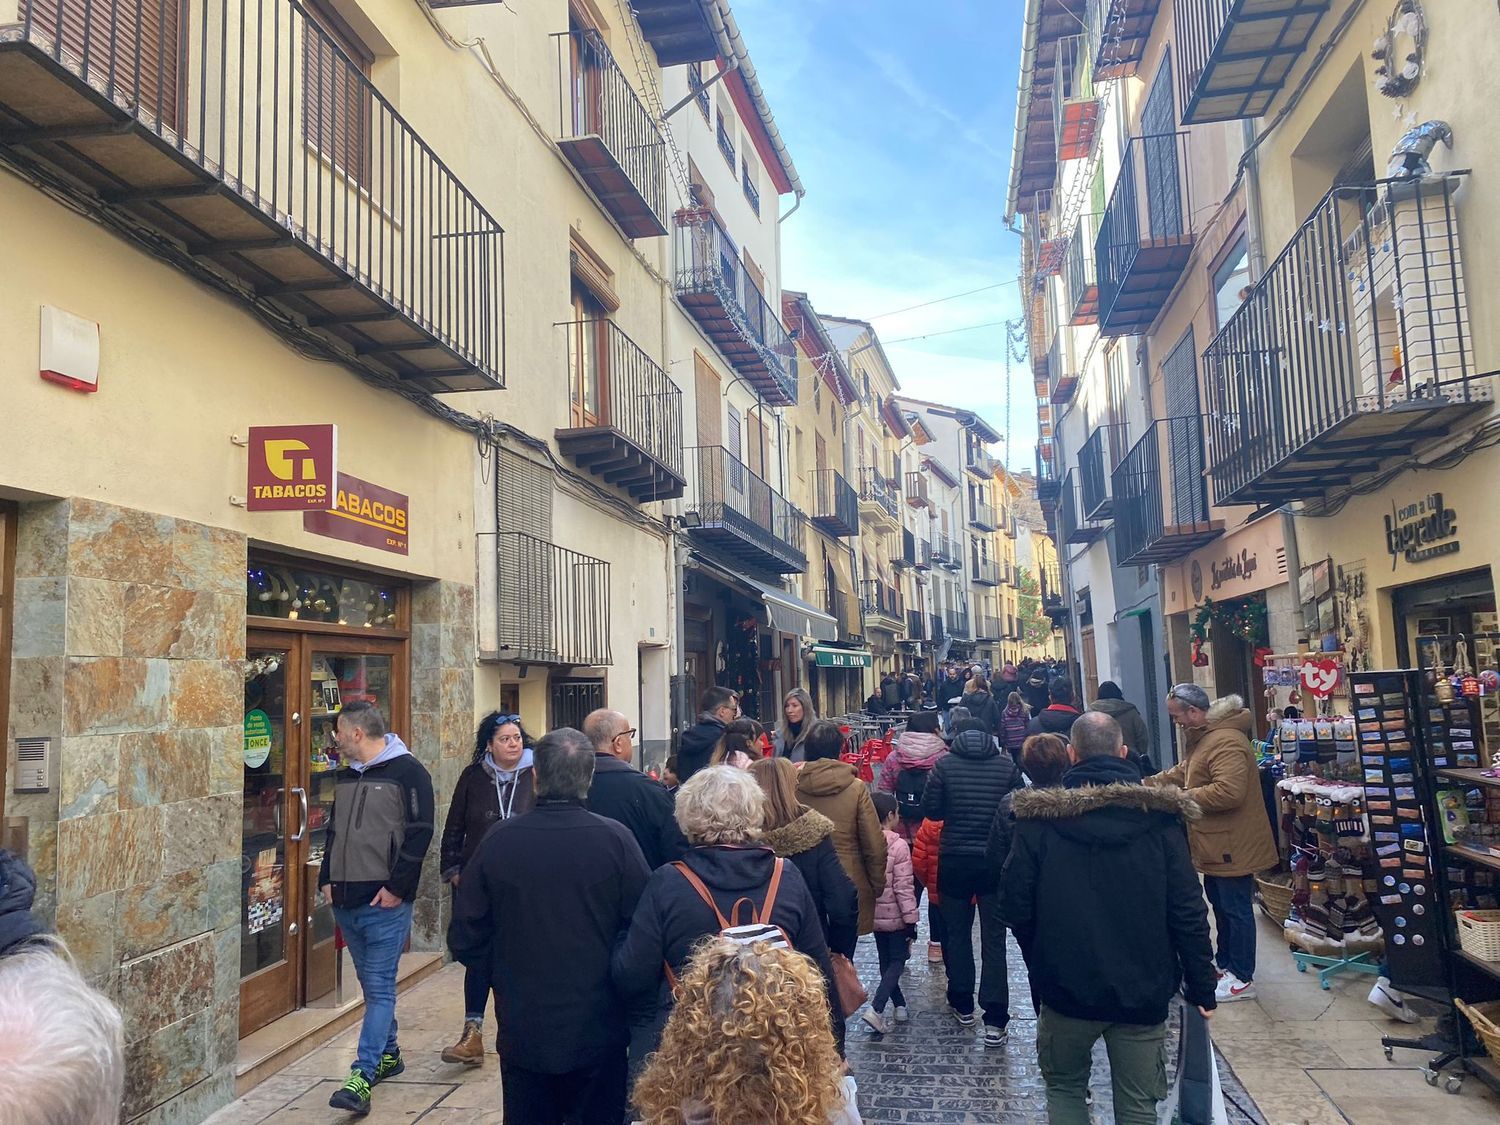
<point x="902" y="1015"/>
<point x="1231" y="988"/>
<point x="875" y="1020"/>
<point x="1391" y="1002"/>
<point x="995" y="1036"/>
<point x="965" y="1019"/>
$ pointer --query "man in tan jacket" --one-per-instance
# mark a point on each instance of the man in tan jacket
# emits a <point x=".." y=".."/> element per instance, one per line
<point x="1233" y="839"/>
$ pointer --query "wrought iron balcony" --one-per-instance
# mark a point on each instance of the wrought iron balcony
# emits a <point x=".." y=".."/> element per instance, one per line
<point x="980" y="464"/>
<point x="678" y="30"/>
<point x="1075" y="103"/>
<point x="843" y="607"/>
<point x="988" y="627"/>
<point x="904" y="550"/>
<point x="1083" y="277"/>
<point x="1118" y="31"/>
<point x="1161" y="495"/>
<point x="982" y="515"/>
<point x="916" y="625"/>
<point x="1233" y="56"/>
<point x="717" y="290"/>
<point x="879" y="498"/>
<point x="609" y="136"/>
<point x="835" y="506"/>
<point x="1146" y="233"/>
<point x="1006" y="571"/>
<point x="1012" y="526"/>
<point x="956" y="622"/>
<point x="936" y="633"/>
<point x="1071" y="528"/>
<point x="1351" y="351"/>
<point x="924" y="554"/>
<point x="1064" y="382"/>
<point x="743" y="516"/>
<point x="1047" y="483"/>
<point x="916" y="490"/>
<point x="986" y="572"/>
<point x="261" y="159"/>
<point x="946" y="552"/>
<point x="1096" y="463"/>
<point x="552" y="604"/>
<point x="627" y="415"/>
<point x="883" y="603"/>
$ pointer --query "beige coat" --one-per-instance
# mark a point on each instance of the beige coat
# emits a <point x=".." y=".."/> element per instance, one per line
<point x="832" y="787"/>
<point x="1219" y="773"/>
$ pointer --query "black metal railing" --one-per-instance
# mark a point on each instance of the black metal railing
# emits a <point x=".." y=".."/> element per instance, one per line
<point x="1096" y="463"/>
<point x="904" y="550"/>
<point x="1007" y="571"/>
<point x="1161" y="494"/>
<point x="271" y="110"/>
<point x="1365" y="311"/>
<point x="1150" y="207"/>
<point x="935" y="630"/>
<point x="882" y="600"/>
<point x="956" y="621"/>
<point x="727" y="495"/>
<point x="987" y="627"/>
<point x="924" y="554"/>
<point x="726" y="144"/>
<point x="751" y="189"/>
<point x="552" y="604"/>
<point x="1233" y="57"/>
<point x="707" y="262"/>
<point x="1047" y="481"/>
<point x="835" y="505"/>
<point x="1012" y="526"/>
<point x="916" y="625"/>
<point x="875" y="488"/>
<point x="981" y="515"/>
<point x="633" y="394"/>
<point x="986" y="572"/>
<point x="1083" y="276"/>
<point x="597" y="100"/>
<point x="1072" y="526"/>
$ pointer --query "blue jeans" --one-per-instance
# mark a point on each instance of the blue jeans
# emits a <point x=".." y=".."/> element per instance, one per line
<point x="1234" y="918"/>
<point x="375" y="937"/>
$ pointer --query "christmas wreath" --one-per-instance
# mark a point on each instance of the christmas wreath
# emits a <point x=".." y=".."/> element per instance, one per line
<point x="1245" y="619"/>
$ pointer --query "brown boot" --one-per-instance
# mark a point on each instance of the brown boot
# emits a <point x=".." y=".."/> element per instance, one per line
<point x="469" y="1049"/>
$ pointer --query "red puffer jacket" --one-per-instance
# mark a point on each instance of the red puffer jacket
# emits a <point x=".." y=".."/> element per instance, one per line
<point x="924" y="855"/>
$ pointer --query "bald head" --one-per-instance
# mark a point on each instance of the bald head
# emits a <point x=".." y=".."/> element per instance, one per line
<point x="1095" y="735"/>
<point x="609" y="731"/>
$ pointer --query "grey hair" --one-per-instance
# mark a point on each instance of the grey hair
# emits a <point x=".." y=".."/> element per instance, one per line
<point x="62" y="1041"/>
<point x="564" y="764"/>
<point x="1191" y="694"/>
<point x="721" y="805"/>
<point x="365" y="715"/>
<point x="1096" y="735"/>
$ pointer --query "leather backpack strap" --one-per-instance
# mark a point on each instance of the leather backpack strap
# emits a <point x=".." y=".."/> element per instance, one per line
<point x="764" y="916"/>
<point x="703" y="892"/>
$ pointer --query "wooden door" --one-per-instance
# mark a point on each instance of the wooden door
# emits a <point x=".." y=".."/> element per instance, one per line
<point x="588" y="362"/>
<point x="1090" y="683"/>
<point x="586" y="63"/>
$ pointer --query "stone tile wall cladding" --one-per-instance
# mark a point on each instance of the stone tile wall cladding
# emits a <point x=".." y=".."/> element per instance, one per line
<point x="129" y="638"/>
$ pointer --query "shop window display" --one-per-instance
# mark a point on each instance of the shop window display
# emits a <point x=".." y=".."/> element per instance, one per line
<point x="293" y="594"/>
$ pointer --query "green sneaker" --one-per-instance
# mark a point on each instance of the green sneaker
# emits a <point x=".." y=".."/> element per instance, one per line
<point x="353" y="1095"/>
<point x="390" y="1066"/>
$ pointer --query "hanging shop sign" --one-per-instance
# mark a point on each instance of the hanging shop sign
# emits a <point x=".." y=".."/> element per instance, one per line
<point x="1321" y="675"/>
<point x="840" y="657"/>
<point x="291" y="468"/>
<point x="363" y="513"/>
<point x="1423" y="530"/>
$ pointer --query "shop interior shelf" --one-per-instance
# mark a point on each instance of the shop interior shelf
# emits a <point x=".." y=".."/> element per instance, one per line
<point x="1470" y="777"/>
<point x="1472" y="855"/>
<point x="1490" y="967"/>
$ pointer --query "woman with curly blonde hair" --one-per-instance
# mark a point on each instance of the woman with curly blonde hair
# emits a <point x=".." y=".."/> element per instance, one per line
<point x="747" y="1044"/>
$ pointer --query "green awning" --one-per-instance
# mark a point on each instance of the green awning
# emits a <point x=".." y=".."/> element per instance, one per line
<point x="827" y="657"/>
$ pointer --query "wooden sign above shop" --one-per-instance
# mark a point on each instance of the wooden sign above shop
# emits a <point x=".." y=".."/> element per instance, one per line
<point x="363" y="513"/>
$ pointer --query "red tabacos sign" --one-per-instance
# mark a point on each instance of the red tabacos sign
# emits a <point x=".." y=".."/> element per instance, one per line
<point x="363" y="513"/>
<point x="291" y="468"/>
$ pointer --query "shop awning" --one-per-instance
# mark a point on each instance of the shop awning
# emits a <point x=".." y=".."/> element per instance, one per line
<point x="790" y="614"/>
<point x="825" y="656"/>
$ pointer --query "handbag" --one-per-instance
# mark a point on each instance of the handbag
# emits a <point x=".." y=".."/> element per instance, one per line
<point x="847" y="984"/>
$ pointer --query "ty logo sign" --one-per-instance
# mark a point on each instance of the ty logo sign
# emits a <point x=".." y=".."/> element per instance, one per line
<point x="1321" y="676"/>
<point x="291" y="468"/>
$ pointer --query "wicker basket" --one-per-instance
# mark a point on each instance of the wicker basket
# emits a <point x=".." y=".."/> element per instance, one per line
<point x="1479" y="933"/>
<point x="1486" y="1020"/>
<point x="1275" y="895"/>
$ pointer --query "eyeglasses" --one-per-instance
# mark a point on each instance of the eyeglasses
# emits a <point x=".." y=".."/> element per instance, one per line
<point x="628" y="732"/>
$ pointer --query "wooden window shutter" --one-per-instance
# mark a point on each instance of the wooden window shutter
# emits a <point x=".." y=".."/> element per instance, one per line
<point x="591" y="272"/>
<point x="150" y="31"/>
<point x="706" y="387"/>
<point x="336" y="92"/>
<point x="523" y="496"/>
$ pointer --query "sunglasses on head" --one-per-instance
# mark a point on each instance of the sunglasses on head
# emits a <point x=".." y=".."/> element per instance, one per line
<point x="502" y="720"/>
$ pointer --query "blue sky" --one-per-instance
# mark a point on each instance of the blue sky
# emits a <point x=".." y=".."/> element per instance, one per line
<point x="899" y="119"/>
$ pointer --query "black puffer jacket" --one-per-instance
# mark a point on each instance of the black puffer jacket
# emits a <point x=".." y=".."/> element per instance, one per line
<point x="696" y="746"/>
<point x="982" y="706"/>
<point x="967" y="787"/>
<point x="808" y="843"/>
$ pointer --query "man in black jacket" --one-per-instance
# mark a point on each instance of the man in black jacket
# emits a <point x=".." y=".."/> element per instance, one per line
<point x="966" y="790"/>
<point x="696" y="746"/>
<point x="1060" y="714"/>
<point x="543" y="901"/>
<point x="1102" y="895"/>
<point x="379" y="830"/>
<point x="622" y="792"/>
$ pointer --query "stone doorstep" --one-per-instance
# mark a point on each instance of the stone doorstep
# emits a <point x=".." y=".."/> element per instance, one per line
<point x="303" y="1032"/>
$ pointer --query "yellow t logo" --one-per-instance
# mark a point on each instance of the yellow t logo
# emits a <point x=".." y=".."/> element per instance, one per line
<point x="283" y="465"/>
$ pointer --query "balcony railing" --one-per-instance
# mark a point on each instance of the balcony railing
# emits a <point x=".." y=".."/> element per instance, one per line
<point x="982" y="515"/>
<point x="552" y="604"/>
<point x="945" y="552"/>
<point x="627" y="415"/>
<point x="260" y="155"/>
<point x="881" y="600"/>
<point x="716" y="288"/>
<point x="1161" y="495"/>
<point x="1118" y="31"/>
<point x="1233" y="56"/>
<point x="742" y="515"/>
<point x="1064" y="382"/>
<point x="1006" y="570"/>
<point x="981" y="464"/>
<point x="904" y="550"/>
<point x="936" y="633"/>
<point x="1145" y="234"/>
<point x="916" y="625"/>
<point x="985" y="572"/>
<point x="988" y="627"/>
<point x="1073" y="528"/>
<point x="1096" y="463"/>
<point x="1075" y="103"/>
<point x="609" y="136"/>
<point x="916" y="490"/>
<point x="924" y="554"/>
<point x="879" y="495"/>
<point x="956" y="622"/>
<point x="1083" y="276"/>
<point x="1047" y="482"/>
<point x="1352" y="350"/>
<point x="1051" y="586"/>
<point x="835" y="505"/>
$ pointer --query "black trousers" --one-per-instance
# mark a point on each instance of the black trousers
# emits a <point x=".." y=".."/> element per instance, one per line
<point x="594" y="1095"/>
<point x="958" y="952"/>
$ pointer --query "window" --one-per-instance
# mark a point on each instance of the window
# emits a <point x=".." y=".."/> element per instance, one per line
<point x="588" y="361"/>
<point x="1231" y="281"/>
<point x="734" y="443"/>
<point x="726" y="133"/>
<point x="700" y="95"/>
<point x="750" y="181"/>
<point x="337" y="109"/>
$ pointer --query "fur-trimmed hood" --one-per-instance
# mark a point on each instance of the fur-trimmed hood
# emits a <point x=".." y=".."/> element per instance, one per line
<point x="801" y="835"/>
<point x="1230" y="711"/>
<point x="1065" y="804"/>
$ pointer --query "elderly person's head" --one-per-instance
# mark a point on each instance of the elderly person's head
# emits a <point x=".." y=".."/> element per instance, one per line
<point x="721" y="805"/>
<point x="610" y="732"/>
<point x="1095" y="735"/>
<point x="564" y="765"/>
<point x="1188" y="705"/>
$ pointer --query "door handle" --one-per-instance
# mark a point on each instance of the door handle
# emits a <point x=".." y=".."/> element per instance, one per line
<point x="302" y="806"/>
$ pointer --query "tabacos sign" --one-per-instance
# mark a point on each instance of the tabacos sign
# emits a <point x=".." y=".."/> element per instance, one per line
<point x="291" y="468"/>
<point x="363" y="513"/>
<point x="1422" y="530"/>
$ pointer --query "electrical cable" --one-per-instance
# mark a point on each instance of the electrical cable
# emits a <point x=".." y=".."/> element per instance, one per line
<point x="948" y="332"/>
<point x="940" y="300"/>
